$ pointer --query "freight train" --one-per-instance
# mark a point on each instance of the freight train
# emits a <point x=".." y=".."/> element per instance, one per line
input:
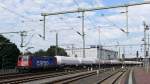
<point x="49" y="62"/>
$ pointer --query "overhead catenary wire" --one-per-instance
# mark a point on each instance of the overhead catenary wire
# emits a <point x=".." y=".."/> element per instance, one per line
<point x="113" y="24"/>
<point x="87" y="17"/>
<point x="91" y="21"/>
<point x="15" y="13"/>
<point x="93" y="9"/>
<point x="11" y="11"/>
<point x="30" y="39"/>
<point x="123" y="45"/>
<point x="98" y="2"/>
<point x="22" y="34"/>
<point x="110" y="21"/>
<point x="66" y="22"/>
<point x="76" y="3"/>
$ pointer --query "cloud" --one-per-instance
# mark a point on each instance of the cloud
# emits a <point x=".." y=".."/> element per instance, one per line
<point x="31" y="10"/>
<point x="39" y="1"/>
<point x="146" y="0"/>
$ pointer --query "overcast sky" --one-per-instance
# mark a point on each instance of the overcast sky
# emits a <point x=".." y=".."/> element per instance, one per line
<point x="19" y="15"/>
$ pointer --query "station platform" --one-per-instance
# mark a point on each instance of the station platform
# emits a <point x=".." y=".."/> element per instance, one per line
<point x="136" y="75"/>
<point x="141" y="76"/>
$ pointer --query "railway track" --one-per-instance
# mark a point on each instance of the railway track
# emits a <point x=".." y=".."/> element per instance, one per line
<point x="73" y="78"/>
<point x="15" y="75"/>
<point x="68" y="80"/>
<point x="112" y="78"/>
<point x="22" y="78"/>
<point x="65" y="80"/>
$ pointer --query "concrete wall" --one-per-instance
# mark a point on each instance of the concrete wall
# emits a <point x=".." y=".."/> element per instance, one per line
<point x="79" y="52"/>
<point x="92" y="53"/>
<point x="107" y="54"/>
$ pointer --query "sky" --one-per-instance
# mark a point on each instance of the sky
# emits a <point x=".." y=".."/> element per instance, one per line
<point x="25" y="15"/>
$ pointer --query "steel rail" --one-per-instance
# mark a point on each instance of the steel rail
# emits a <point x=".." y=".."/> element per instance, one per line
<point x="35" y="77"/>
<point x="111" y="75"/>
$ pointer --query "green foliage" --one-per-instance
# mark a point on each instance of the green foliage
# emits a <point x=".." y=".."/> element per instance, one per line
<point x="60" y="51"/>
<point x="27" y="53"/>
<point x="8" y="53"/>
<point x="51" y="52"/>
<point x="40" y="53"/>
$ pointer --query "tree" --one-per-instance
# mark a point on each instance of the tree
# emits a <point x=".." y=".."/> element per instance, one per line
<point x="51" y="52"/>
<point x="28" y="53"/>
<point x="8" y="53"/>
<point x="40" y="53"/>
<point x="60" y="51"/>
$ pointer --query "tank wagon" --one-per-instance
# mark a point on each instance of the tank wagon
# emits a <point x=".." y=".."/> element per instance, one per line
<point x="49" y="62"/>
<point x="63" y="61"/>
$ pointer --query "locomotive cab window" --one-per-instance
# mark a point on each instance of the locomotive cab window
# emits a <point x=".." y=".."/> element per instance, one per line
<point x="19" y="58"/>
<point x="25" y="58"/>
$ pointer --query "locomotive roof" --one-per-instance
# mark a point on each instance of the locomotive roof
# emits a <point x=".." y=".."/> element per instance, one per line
<point x="34" y="56"/>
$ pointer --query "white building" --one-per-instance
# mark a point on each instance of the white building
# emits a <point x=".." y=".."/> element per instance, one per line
<point x="92" y="53"/>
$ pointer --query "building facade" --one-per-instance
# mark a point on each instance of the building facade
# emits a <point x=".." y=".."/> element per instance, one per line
<point x="93" y="53"/>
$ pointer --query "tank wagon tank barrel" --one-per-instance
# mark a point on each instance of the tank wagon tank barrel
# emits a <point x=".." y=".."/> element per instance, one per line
<point x="49" y="62"/>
